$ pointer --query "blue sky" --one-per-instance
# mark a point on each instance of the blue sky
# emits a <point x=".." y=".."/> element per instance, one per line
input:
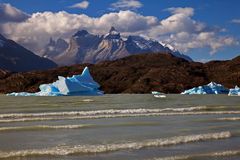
<point x="216" y="14"/>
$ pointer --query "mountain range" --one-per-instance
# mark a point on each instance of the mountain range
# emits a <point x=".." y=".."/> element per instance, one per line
<point x="14" y="57"/>
<point x="134" y="74"/>
<point x="84" y="47"/>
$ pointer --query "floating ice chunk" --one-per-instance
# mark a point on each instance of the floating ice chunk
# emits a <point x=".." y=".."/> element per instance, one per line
<point x="234" y="91"/>
<point x="76" y="85"/>
<point x="21" y="94"/>
<point x="211" y="88"/>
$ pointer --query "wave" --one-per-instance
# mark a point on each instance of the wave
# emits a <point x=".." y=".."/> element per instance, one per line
<point x="97" y="112"/>
<point x="116" y="116"/>
<point x="93" y="149"/>
<point x="229" y="119"/>
<point x="40" y="127"/>
<point x="213" y="154"/>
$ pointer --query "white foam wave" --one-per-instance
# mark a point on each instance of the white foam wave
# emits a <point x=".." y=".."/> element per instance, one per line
<point x="88" y="149"/>
<point x="88" y="100"/>
<point x="116" y="116"/>
<point x="43" y="127"/>
<point x="214" y="154"/>
<point x="229" y="119"/>
<point x="97" y="112"/>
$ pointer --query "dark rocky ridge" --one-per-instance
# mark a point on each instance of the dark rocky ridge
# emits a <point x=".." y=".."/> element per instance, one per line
<point x="136" y="74"/>
<point x="4" y="73"/>
<point x="14" y="57"/>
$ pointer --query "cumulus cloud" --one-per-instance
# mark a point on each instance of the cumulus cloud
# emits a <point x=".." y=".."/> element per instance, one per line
<point x="237" y="21"/>
<point x="185" y="33"/>
<point x="185" y="41"/>
<point x="188" y="11"/>
<point x="41" y="26"/>
<point x="82" y="5"/>
<point x="9" y="13"/>
<point x="179" y="29"/>
<point x="126" y="4"/>
<point x="179" y="21"/>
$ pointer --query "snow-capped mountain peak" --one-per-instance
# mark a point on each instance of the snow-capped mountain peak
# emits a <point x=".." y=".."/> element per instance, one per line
<point x="112" y="34"/>
<point x="113" y="31"/>
<point x="86" y="47"/>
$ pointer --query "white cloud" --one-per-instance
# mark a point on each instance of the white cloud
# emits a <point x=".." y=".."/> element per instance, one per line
<point x="237" y="21"/>
<point x="179" y="29"/>
<point x="41" y="26"/>
<point x="126" y="4"/>
<point x="185" y="33"/>
<point x="181" y="21"/>
<point x="82" y="5"/>
<point x="185" y="41"/>
<point x="188" y="11"/>
<point x="9" y="13"/>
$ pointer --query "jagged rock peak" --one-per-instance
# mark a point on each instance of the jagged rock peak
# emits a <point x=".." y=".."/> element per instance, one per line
<point x="113" y="31"/>
<point x="51" y="41"/>
<point x="61" y="41"/>
<point x="113" y="34"/>
<point x="81" y="33"/>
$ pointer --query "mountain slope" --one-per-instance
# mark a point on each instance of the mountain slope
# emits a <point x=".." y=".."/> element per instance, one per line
<point x="85" y="47"/>
<point x="224" y="72"/>
<point x="136" y="74"/>
<point x="3" y="74"/>
<point x="14" y="57"/>
<point x="54" y="48"/>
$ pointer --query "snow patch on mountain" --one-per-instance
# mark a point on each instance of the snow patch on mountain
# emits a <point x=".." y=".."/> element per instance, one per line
<point x="166" y="45"/>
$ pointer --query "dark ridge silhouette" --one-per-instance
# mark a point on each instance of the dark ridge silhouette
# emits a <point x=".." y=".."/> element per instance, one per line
<point x="14" y="57"/>
<point x="135" y="74"/>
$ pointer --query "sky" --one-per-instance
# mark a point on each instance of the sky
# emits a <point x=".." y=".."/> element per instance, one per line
<point x="202" y="29"/>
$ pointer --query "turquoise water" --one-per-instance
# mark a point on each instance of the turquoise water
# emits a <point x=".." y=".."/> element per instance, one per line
<point x="117" y="127"/>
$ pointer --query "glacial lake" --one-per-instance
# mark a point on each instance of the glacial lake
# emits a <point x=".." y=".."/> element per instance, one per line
<point x="120" y="127"/>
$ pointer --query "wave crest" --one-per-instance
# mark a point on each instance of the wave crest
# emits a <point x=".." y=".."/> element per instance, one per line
<point x="44" y="127"/>
<point x="98" y="112"/>
<point x="213" y="154"/>
<point x="93" y="149"/>
<point x="116" y="116"/>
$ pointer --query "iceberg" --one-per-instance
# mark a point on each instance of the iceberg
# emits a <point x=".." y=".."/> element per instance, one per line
<point x="76" y="85"/>
<point x="211" y="88"/>
<point x="158" y="94"/>
<point x="234" y="91"/>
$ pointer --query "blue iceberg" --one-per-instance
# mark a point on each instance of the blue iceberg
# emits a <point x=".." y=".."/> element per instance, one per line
<point x="234" y="91"/>
<point x="76" y="85"/>
<point x="211" y="88"/>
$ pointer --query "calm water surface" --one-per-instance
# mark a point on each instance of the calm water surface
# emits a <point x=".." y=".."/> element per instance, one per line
<point x="118" y="127"/>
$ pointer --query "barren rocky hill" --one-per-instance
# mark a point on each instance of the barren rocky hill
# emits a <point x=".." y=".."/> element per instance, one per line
<point x="136" y="74"/>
